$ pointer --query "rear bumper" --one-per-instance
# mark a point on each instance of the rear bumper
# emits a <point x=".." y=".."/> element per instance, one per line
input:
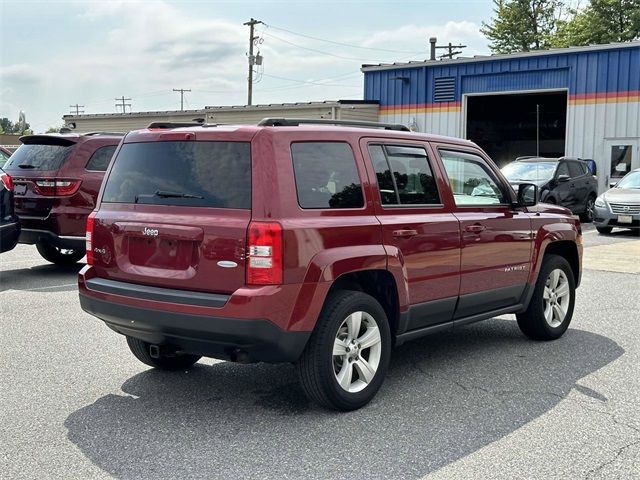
<point x="9" y="233"/>
<point x="219" y="337"/>
<point x="233" y="326"/>
<point x="32" y="236"/>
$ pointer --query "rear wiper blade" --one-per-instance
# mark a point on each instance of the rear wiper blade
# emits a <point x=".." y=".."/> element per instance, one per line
<point x="26" y="165"/>
<point x="166" y="194"/>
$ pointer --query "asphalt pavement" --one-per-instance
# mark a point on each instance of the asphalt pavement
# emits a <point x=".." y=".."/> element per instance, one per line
<point x="481" y="402"/>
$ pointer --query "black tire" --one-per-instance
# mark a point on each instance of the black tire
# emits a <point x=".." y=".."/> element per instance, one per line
<point x="176" y="361"/>
<point x="533" y="322"/>
<point x="604" y="230"/>
<point x="587" y="215"/>
<point x="64" y="258"/>
<point x="316" y="366"/>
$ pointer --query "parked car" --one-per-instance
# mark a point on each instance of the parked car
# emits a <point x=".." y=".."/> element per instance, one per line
<point x="56" y="181"/>
<point x="619" y="206"/>
<point x="5" y="153"/>
<point x="9" y="224"/>
<point x="319" y="245"/>
<point x="561" y="181"/>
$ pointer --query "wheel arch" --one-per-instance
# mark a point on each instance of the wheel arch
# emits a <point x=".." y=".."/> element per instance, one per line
<point x="378" y="283"/>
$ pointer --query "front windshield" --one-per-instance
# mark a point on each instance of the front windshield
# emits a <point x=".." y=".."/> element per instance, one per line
<point x="529" y="171"/>
<point x="632" y="180"/>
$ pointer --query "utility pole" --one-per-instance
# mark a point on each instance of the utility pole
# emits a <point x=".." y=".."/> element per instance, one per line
<point x="451" y="49"/>
<point x="251" y="23"/>
<point x="77" y="108"/>
<point x="121" y="103"/>
<point x="181" y="90"/>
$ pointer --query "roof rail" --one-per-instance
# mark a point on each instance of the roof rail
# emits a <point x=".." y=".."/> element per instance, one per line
<point x="117" y="134"/>
<point x="175" y="124"/>
<point x="294" y="122"/>
<point x="526" y="157"/>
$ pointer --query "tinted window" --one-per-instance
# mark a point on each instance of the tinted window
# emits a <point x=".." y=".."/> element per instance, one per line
<point x="326" y="175"/>
<point x="404" y="175"/>
<point x="576" y="169"/>
<point x="563" y="169"/>
<point x="39" y="157"/>
<point x="210" y="174"/>
<point x="101" y="158"/>
<point x="471" y="180"/>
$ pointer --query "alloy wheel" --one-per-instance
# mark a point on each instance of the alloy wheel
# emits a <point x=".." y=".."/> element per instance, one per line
<point x="556" y="297"/>
<point x="357" y="350"/>
<point x="590" y="206"/>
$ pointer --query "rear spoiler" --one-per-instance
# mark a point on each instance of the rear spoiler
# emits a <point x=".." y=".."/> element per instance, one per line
<point x="48" y="140"/>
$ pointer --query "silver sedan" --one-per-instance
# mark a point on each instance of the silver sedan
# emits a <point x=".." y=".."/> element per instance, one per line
<point x="619" y="206"/>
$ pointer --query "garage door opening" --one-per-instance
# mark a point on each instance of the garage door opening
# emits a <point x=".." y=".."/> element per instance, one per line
<point x="515" y="125"/>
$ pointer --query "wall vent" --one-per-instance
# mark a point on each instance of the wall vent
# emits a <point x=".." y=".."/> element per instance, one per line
<point x="444" y="89"/>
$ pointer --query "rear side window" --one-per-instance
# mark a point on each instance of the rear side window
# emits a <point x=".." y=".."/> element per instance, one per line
<point x="100" y="159"/>
<point x="39" y="157"/>
<point x="404" y="175"/>
<point x="194" y="174"/>
<point x="326" y="175"/>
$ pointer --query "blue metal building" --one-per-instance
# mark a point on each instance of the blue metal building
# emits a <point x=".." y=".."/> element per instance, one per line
<point x="581" y="101"/>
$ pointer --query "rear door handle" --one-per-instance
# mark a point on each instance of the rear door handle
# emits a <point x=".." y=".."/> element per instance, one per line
<point x="477" y="228"/>
<point x="405" y="233"/>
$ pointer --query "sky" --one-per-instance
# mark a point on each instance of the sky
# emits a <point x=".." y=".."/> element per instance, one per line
<point x="60" y="53"/>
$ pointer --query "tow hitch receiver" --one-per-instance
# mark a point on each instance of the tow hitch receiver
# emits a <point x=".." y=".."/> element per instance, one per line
<point x="154" y="351"/>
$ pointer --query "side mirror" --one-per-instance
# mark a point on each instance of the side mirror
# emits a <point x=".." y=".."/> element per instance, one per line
<point x="613" y="183"/>
<point x="527" y="194"/>
<point x="563" y="178"/>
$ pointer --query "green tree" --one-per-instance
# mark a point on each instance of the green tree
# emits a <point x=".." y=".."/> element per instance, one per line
<point x="54" y="129"/>
<point x="521" y="25"/>
<point x="602" y="21"/>
<point x="8" y="126"/>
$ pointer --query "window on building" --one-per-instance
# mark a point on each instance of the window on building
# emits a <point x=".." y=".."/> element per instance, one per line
<point x="326" y="175"/>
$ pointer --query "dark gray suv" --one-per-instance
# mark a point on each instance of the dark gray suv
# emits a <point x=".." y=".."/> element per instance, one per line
<point x="567" y="182"/>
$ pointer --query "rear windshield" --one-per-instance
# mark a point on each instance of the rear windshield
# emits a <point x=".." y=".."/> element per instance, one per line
<point x="39" y="157"/>
<point x="194" y="174"/>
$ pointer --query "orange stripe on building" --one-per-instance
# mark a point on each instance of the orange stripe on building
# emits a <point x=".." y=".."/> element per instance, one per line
<point x="604" y="97"/>
<point x="440" y="107"/>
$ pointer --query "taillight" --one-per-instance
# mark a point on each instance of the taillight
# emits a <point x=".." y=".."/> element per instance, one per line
<point x="56" y="187"/>
<point x="90" y="223"/>
<point x="7" y="181"/>
<point x="264" y="249"/>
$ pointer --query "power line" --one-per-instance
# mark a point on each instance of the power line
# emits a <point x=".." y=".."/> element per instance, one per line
<point x="121" y="103"/>
<point x="309" y="82"/>
<point x="181" y="90"/>
<point x="315" y="49"/>
<point x="341" y="43"/>
<point x="77" y="108"/>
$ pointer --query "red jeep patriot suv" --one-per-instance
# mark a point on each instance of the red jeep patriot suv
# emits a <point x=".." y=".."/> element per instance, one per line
<point x="56" y="180"/>
<point x="322" y="245"/>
